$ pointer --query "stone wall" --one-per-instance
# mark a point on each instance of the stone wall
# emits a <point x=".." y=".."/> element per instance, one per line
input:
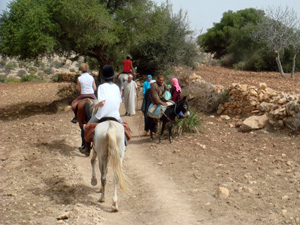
<point x="281" y="108"/>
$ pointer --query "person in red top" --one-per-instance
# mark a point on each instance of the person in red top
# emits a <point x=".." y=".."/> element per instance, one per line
<point x="127" y="66"/>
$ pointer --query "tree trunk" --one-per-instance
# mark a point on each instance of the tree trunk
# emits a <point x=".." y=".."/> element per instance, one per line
<point x="279" y="64"/>
<point x="103" y="60"/>
<point x="293" y="66"/>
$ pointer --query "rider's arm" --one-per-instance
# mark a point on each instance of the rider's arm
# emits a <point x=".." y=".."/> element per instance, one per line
<point x="100" y="104"/>
<point x="78" y="86"/>
<point x="94" y="85"/>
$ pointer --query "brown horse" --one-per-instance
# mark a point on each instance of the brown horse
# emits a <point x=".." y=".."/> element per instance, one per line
<point x="84" y="114"/>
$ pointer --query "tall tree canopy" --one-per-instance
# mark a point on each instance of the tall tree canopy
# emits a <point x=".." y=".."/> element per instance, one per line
<point x="167" y="42"/>
<point x="33" y="28"/>
<point x="231" y="32"/>
<point x="105" y="30"/>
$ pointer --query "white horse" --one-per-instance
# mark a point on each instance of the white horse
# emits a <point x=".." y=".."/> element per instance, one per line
<point x="109" y="143"/>
<point x="121" y="79"/>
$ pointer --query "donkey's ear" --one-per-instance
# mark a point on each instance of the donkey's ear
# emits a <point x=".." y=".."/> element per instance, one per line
<point x="191" y="99"/>
<point x="184" y="98"/>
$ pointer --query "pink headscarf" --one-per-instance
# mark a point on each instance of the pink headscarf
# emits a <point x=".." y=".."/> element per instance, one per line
<point x="176" y="84"/>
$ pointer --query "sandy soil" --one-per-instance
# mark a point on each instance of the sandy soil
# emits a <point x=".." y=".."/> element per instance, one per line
<point x="45" y="180"/>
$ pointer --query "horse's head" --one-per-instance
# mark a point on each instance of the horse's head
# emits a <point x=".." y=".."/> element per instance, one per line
<point x="182" y="107"/>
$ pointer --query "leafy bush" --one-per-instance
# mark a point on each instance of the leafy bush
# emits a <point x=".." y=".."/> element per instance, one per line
<point x="2" y="79"/>
<point x="3" y="63"/>
<point x="21" y="73"/>
<point x="208" y="96"/>
<point x="11" y="66"/>
<point x="29" y="77"/>
<point x="40" y="64"/>
<point x="41" y="75"/>
<point x="33" y="70"/>
<point x="56" y="64"/>
<point x="48" y="70"/>
<point x="23" y="63"/>
<point x="12" y="80"/>
<point x="188" y="125"/>
<point x="57" y="78"/>
<point x="72" y="70"/>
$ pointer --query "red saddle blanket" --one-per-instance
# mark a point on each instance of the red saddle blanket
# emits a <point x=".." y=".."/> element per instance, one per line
<point x="89" y="131"/>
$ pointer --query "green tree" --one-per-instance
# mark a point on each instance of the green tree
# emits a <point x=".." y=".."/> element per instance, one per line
<point x="231" y="33"/>
<point x="166" y="41"/>
<point x="99" y="29"/>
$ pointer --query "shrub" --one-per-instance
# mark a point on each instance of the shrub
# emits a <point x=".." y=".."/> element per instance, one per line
<point x="21" y="73"/>
<point x="3" y="63"/>
<point x="12" y="80"/>
<point x="22" y="64"/>
<point x="29" y="77"/>
<point x="48" y="70"/>
<point x="41" y="75"/>
<point x="40" y="64"/>
<point x="208" y="96"/>
<point x="57" y="78"/>
<point x="11" y="66"/>
<point x="188" y="125"/>
<point x="56" y="64"/>
<point x="2" y="79"/>
<point x="72" y="70"/>
<point x="33" y="70"/>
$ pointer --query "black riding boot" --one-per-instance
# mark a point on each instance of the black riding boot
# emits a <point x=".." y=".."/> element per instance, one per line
<point x="86" y="150"/>
<point x="74" y="120"/>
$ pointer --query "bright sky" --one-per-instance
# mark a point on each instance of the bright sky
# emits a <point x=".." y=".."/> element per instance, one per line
<point x="203" y="13"/>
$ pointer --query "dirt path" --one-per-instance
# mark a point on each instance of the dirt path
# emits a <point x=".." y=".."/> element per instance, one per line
<point x="155" y="197"/>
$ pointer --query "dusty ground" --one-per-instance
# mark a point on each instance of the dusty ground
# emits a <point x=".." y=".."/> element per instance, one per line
<point x="45" y="180"/>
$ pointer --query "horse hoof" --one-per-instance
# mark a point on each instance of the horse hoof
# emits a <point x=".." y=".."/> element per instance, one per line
<point x="114" y="207"/>
<point x="94" y="181"/>
<point x="102" y="199"/>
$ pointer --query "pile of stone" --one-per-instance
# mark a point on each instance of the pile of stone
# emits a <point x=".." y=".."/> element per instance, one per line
<point x="282" y="109"/>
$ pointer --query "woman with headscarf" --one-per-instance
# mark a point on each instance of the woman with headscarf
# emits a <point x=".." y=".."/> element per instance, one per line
<point x="146" y="84"/>
<point x="146" y="102"/>
<point x="176" y="90"/>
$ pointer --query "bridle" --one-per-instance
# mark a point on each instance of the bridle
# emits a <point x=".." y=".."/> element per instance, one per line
<point x="177" y="115"/>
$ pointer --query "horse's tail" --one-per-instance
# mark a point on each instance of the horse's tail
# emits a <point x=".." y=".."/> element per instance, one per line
<point x="115" y="153"/>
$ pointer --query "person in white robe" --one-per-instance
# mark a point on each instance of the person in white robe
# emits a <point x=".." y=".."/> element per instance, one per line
<point x="129" y="92"/>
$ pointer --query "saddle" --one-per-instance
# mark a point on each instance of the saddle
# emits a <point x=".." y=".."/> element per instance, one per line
<point x="89" y="129"/>
<point x="158" y="112"/>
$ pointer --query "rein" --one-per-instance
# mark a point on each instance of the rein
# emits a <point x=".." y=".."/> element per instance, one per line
<point x="176" y="115"/>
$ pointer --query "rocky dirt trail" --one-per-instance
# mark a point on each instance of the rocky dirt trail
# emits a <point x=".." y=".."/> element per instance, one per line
<point x="220" y="176"/>
<point x="155" y="198"/>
